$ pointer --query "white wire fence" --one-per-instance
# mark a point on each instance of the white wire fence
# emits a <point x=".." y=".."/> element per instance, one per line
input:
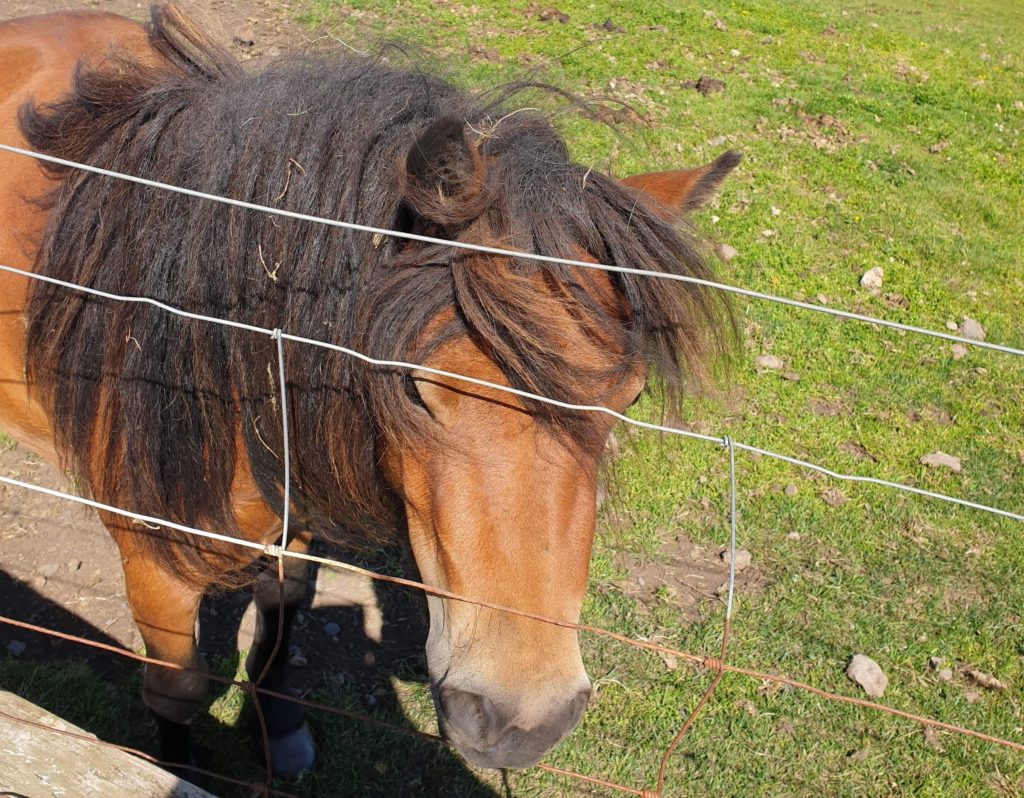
<point x="279" y="550"/>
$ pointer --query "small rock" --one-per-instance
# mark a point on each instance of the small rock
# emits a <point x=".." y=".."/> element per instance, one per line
<point x="833" y="497"/>
<point x="609" y="26"/>
<point x="951" y="326"/>
<point x="717" y="141"/>
<point x="985" y="680"/>
<point x="959" y="351"/>
<point x="331" y="629"/>
<point x="866" y="672"/>
<point x="15" y="648"/>
<point x="969" y="328"/>
<point x="743" y="559"/>
<point x="822" y="299"/>
<point x="298" y="661"/>
<point x="792" y="536"/>
<point x="719" y="25"/>
<point x="769" y="362"/>
<point x="872" y="278"/>
<point x="941" y="460"/>
<point x="49" y="570"/>
<point x="790" y="490"/>
<point x="972" y="696"/>
<point x="791" y="376"/>
<point x="1018" y="105"/>
<point x="945" y="675"/>
<point x="767" y="233"/>
<point x="725" y="252"/>
<point x="938" y="147"/>
<point x="244" y="36"/>
<point x="74" y="565"/>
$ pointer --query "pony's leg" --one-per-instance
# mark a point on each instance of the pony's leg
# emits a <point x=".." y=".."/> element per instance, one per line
<point x="291" y="744"/>
<point x="164" y="608"/>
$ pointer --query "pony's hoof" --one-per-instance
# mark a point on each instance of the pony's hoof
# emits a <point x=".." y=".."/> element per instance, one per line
<point x="292" y="754"/>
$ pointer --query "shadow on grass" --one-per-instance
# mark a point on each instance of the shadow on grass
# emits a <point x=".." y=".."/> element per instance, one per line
<point x="100" y="691"/>
<point x="353" y="671"/>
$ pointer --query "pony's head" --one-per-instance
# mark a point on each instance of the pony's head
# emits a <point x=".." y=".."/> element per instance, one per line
<point x="500" y="493"/>
<point x="497" y="490"/>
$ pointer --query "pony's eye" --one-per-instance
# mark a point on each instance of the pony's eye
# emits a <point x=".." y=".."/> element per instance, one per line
<point x="412" y="392"/>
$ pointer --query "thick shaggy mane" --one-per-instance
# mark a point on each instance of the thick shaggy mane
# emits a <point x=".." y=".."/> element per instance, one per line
<point x="148" y="407"/>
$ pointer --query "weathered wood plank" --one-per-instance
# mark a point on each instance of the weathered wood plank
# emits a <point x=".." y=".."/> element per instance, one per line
<point x="35" y="763"/>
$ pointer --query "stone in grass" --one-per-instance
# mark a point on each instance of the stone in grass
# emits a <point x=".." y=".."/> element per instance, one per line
<point x="969" y="328"/>
<point x="941" y="460"/>
<point x="15" y="648"/>
<point x="872" y="278"/>
<point x="726" y="252"/>
<point x="866" y="672"/>
<point x="959" y="351"/>
<point x="833" y="497"/>
<point x="769" y="362"/>
<point x="743" y="559"/>
<point x="331" y="629"/>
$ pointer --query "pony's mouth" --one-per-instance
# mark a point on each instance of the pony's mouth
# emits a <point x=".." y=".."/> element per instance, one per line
<point x="489" y="737"/>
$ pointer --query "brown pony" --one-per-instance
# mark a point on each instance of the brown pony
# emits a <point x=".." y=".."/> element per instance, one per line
<point x="179" y="419"/>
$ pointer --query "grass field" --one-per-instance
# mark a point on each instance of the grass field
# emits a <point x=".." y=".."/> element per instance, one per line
<point x="874" y="134"/>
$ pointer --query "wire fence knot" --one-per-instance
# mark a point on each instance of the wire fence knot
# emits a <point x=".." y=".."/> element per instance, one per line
<point x="273" y="550"/>
<point x="275" y="334"/>
<point x="713" y="664"/>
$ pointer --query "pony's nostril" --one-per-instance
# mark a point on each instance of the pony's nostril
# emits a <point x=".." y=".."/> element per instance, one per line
<point x="471" y="713"/>
<point x="578" y="705"/>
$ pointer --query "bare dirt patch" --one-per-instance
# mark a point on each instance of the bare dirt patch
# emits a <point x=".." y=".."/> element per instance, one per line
<point x="692" y="577"/>
<point x="268" y="23"/>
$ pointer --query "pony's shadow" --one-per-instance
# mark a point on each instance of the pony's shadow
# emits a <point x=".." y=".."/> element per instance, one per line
<point x="375" y="651"/>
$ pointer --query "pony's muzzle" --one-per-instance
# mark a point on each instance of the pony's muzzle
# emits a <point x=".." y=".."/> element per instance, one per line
<point x="491" y="735"/>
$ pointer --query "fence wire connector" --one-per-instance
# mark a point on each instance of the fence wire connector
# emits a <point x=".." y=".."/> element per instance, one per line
<point x="273" y="550"/>
<point x="275" y="334"/>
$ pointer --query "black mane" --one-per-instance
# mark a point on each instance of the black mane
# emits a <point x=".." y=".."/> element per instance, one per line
<point x="147" y="406"/>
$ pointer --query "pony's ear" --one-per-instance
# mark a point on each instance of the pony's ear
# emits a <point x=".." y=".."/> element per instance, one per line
<point x="443" y="173"/>
<point x="686" y="189"/>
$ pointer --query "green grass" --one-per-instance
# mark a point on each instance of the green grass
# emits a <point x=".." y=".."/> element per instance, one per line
<point x="892" y="576"/>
